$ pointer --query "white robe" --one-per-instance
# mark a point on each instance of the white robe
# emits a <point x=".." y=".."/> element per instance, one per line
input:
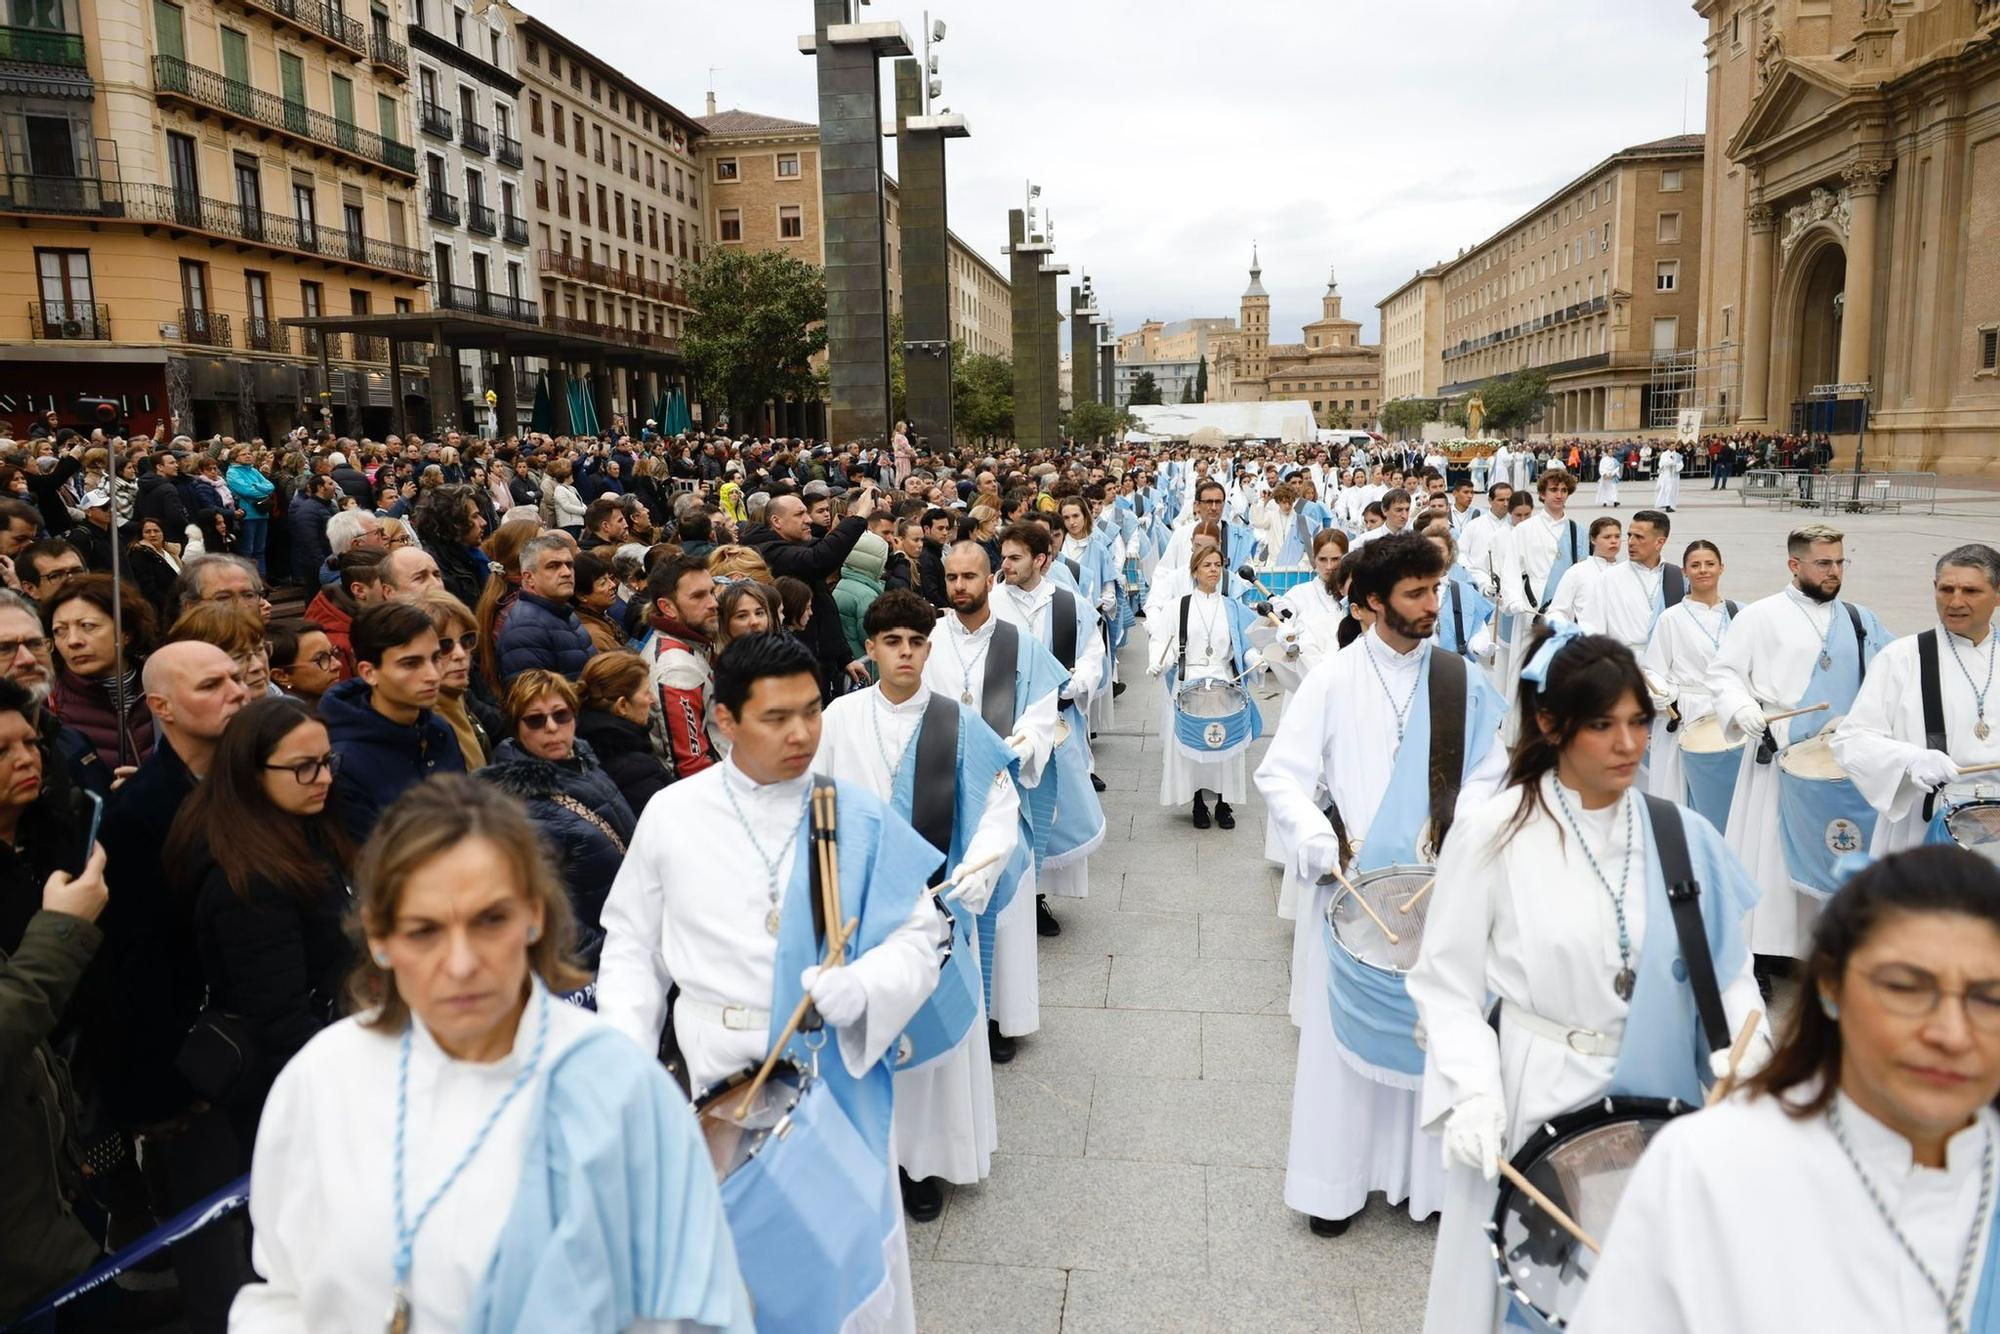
<point x="1350" y="1134"/>
<point x="1609" y="470"/>
<point x="1031" y="608"/>
<point x="1668" y="493"/>
<point x="1314" y="630"/>
<point x="1576" y="594"/>
<point x="1676" y="662"/>
<point x="1743" y="1217"/>
<point x="1525" y="559"/>
<point x="1098" y="708"/>
<point x="1884" y="732"/>
<point x="945" y="1122"/>
<point x="1623" y="602"/>
<point x="1209" y="654"/>
<point x="1521" y="917"/>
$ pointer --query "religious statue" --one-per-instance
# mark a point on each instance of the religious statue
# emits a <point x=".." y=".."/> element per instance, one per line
<point x="1475" y="415"/>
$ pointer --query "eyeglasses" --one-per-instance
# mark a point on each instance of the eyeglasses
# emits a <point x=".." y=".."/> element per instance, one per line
<point x="308" y="771"/>
<point x="244" y="595"/>
<point x="535" y="722"/>
<point x="391" y="541"/>
<point x="11" y="648"/>
<point x="1913" y="993"/>
<point x="467" y="641"/>
<point x="326" y="661"/>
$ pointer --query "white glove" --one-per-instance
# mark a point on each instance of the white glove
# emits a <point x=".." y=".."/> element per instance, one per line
<point x="1021" y="747"/>
<point x="1253" y="661"/>
<point x="1750" y="721"/>
<point x="837" y="994"/>
<point x="1755" y="1057"/>
<point x="1475" y="1134"/>
<point x="1318" y="856"/>
<point x="1156" y="669"/>
<point x="974" y="890"/>
<point x="1933" y="769"/>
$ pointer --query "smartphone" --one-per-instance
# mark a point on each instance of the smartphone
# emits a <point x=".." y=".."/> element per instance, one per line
<point x="93" y="808"/>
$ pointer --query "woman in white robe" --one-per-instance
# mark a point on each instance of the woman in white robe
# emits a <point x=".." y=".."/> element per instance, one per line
<point x="1209" y="653"/>
<point x="1685" y="640"/>
<point x="1524" y="911"/>
<point x="1574" y="590"/>
<point x="445" y="1092"/>
<point x="1852" y="1186"/>
<point x="1609" y="470"/>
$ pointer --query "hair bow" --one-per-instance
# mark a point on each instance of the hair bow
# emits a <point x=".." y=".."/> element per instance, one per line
<point x="1560" y="633"/>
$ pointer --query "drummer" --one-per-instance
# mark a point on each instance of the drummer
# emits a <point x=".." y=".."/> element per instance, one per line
<point x="728" y="918"/>
<point x="1802" y="645"/>
<point x="1464" y="610"/>
<point x="1355" y="1132"/>
<point x="1214" y="646"/>
<point x="1684" y="642"/>
<point x="945" y="1126"/>
<point x="1883" y="742"/>
<point x="1551" y="897"/>
<point x="1853" y="1185"/>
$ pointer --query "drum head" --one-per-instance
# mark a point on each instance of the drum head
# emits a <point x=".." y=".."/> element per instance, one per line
<point x="1389" y="891"/>
<point x="1975" y="826"/>
<point x="1582" y="1161"/>
<point x="1210" y="699"/>
<point x="1813" y="759"/>
<point x="1703" y="736"/>
<point x="733" y="1142"/>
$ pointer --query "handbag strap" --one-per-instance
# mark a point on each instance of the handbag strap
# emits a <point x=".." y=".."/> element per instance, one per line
<point x="581" y="811"/>
<point x="1684" y="898"/>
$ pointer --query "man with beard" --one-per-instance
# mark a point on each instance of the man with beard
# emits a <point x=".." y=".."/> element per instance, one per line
<point x="1370" y="727"/>
<point x="1802" y="645"/>
<point x="679" y="647"/>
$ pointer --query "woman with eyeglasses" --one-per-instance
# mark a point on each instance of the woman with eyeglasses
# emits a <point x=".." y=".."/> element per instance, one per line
<point x="1853" y="1184"/>
<point x="581" y="813"/>
<point x="90" y="685"/>
<point x="473" y="720"/>
<point x="265" y="865"/>
<point x="304" y="664"/>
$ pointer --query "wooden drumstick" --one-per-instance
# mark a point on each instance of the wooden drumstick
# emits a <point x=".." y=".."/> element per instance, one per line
<point x="963" y="871"/>
<point x="791" y="1028"/>
<point x="1373" y="916"/>
<point x="1965" y="769"/>
<point x="1409" y="904"/>
<point x="1821" y="707"/>
<point x="1549" y="1206"/>
<point x="1737" y="1049"/>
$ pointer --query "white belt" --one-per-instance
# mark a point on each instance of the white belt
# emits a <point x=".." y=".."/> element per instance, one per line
<point x="1582" y="1041"/>
<point x="743" y="1018"/>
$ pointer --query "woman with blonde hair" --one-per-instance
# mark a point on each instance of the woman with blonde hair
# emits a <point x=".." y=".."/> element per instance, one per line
<point x="497" y="598"/>
<point x="746" y="608"/>
<point x="467" y="1151"/>
<point x="738" y="562"/>
<point x="473" y="720"/>
<point x="237" y="631"/>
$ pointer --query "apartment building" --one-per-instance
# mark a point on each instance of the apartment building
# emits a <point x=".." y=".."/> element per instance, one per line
<point x="1413" y="337"/>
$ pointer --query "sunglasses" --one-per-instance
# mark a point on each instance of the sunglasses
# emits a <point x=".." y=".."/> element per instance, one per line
<point x="535" y="722"/>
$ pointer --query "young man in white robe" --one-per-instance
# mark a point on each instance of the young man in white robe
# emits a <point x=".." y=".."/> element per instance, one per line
<point x="1609" y="470"/>
<point x="1793" y="649"/>
<point x="945" y="1124"/>
<point x="1239" y="540"/>
<point x="1354" y="1132"/>
<point x="1883" y="743"/>
<point x="1576" y="597"/>
<point x="721" y="915"/>
<point x="1542" y="545"/>
<point x="1485" y="529"/>
<point x="1396" y="507"/>
<point x="1668" y="493"/>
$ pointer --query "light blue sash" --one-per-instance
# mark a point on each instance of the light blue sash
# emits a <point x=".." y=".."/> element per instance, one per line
<point x="1570" y="550"/>
<point x="1986" y="1306"/>
<point x="1820" y="822"/>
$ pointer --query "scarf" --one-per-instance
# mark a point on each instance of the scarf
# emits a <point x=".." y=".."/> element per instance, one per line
<point x="670" y="628"/>
<point x="451" y="708"/>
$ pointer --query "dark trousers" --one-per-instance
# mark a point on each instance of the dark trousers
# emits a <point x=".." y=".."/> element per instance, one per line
<point x="213" y="1263"/>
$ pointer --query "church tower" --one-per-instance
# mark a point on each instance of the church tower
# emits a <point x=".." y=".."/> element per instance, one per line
<point x="1329" y="305"/>
<point x="1255" y="321"/>
<point x="1332" y="331"/>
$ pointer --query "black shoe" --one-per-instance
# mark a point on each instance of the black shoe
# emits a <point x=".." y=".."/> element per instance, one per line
<point x="922" y="1200"/>
<point x="1117" y="689"/>
<point x="1001" y="1046"/>
<point x="1097" y="783"/>
<point x="1201" y="820"/>
<point x="1045" y="921"/>
<point x="1224" y="816"/>
<point x="1322" y="1227"/>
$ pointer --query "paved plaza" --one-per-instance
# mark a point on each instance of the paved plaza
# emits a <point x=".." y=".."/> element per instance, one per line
<point x="1139" y="1185"/>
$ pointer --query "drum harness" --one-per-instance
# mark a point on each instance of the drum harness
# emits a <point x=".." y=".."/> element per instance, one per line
<point x="934" y="795"/>
<point x="1767" y="747"/>
<point x="1446" y="701"/>
<point x="1933" y="691"/>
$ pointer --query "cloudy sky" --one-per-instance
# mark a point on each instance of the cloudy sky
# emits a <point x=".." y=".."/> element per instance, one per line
<point x="1372" y="137"/>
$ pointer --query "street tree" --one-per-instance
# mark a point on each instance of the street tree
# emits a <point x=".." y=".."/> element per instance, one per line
<point x="1145" y="389"/>
<point x="1092" y="422"/>
<point x="982" y="395"/>
<point x="759" y="319"/>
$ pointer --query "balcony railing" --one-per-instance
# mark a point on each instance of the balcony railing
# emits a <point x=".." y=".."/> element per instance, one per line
<point x="74" y="195"/>
<point x="515" y="229"/>
<point x="263" y="334"/>
<point x="570" y="324"/>
<point x="477" y="301"/>
<point x="433" y="119"/>
<point x="481" y="219"/>
<point x="590" y="271"/>
<point x="204" y="327"/>
<point x="39" y="46"/>
<point x="69" y="319"/>
<point x="160" y="203"/>
<point x="473" y="138"/>
<point x="370" y="347"/>
<point x="443" y="207"/>
<point x="174" y="76"/>
<point x="319" y="19"/>
<point x="387" y="51"/>
<point x="507" y="149"/>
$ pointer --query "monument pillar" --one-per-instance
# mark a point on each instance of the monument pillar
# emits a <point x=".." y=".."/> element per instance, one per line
<point x="1756" y="405"/>
<point x="920" y="154"/>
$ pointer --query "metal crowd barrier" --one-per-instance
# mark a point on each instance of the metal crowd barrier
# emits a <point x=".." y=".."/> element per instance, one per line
<point x="1840" y="492"/>
<point x="1779" y="486"/>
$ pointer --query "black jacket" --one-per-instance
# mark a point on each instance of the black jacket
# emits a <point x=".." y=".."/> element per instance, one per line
<point x="381" y="759"/>
<point x="464" y="569"/>
<point x="814" y="563"/>
<point x="93" y="543"/>
<point x="930" y="575"/>
<point x="625" y="749"/>
<point x="355" y="483"/>
<point x="588" y="847"/>
<point x="306" y="521"/>
<point x="896" y="573"/>
<point x="160" y="499"/>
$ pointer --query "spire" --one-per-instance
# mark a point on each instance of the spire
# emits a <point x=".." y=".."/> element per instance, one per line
<point x="1332" y="282"/>
<point x="1256" y="287"/>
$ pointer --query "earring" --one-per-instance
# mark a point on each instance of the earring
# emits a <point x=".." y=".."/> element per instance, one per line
<point x="381" y="958"/>
<point x="534" y="934"/>
<point x="1828" y="1006"/>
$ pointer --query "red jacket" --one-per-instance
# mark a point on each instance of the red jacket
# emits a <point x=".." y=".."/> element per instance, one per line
<point x="684" y="694"/>
<point x="338" y="623"/>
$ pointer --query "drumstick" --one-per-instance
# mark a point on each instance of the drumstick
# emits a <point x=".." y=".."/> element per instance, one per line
<point x="1821" y="707"/>
<point x="1409" y="904"/>
<point x="1394" y="939"/>
<point x="833" y="948"/>
<point x="1548" y="1206"/>
<point x="1736" y="1053"/>
<point x="1978" y="768"/>
<point x="963" y="871"/>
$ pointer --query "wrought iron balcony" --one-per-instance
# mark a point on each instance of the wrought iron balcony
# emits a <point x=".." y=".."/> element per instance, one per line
<point x="515" y="229"/>
<point x="263" y="334"/>
<point x="473" y="138"/>
<point x="477" y="301"/>
<point x="443" y="207"/>
<point x="507" y="149"/>
<point x="69" y="319"/>
<point x="160" y="203"/>
<point x="40" y="46"/>
<point x="479" y="218"/>
<point x="318" y="19"/>
<point x="638" y="338"/>
<point x="204" y="327"/>
<point x="174" y="77"/>
<point x="433" y="119"/>
<point x="370" y="347"/>
<point x="590" y="271"/>
<point x="74" y="195"/>
<point x="387" y="51"/>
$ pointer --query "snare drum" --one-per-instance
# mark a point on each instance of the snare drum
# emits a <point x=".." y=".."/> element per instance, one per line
<point x="1822" y="815"/>
<point x="1214" y="719"/>
<point x="1972" y="824"/>
<point x="1279" y="581"/>
<point x="1709" y="767"/>
<point x="1581" y="1161"/>
<point x="1374" y="1019"/>
<point x="802" y="1192"/>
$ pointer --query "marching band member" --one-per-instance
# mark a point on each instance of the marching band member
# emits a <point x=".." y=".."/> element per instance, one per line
<point x="1395" y="518"/>
<point x="729" y="919"/>
<point x="1480" y="541"/>
<point x="1537" y="552"/>
<point x="1885" y="743"/>
<point x="1202" y="635"/>
<point x="1238" y="540"/>
<point x="1802" y="645"/>
<point x="1685" y="640"/>
<point x="1551" y="896"/>
<point x="1464" y="610"/>
<point x="1853" y="1185"/>
<point x="1575" y="596"/>
<point x="1668" y="493"/>
<point x="466" y="1151"/>
<point x="945" y="1126"/>
<point x="1634" y="592"/>
<point x="1098" y="562"/>
<point x="1361" y="729"/>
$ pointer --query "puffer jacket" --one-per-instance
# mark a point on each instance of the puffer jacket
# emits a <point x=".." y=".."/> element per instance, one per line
<point x="306" y="521"/>
<point x="860" y="584"/>
<point x="541" y="632"/>
<point x="380" y="759"/>
<point x="584" y="820"/>
<point x="625" y="749"/>
<point x="87" y="706"/>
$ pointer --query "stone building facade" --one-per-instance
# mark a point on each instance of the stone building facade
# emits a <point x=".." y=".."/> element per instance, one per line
<point x="1331" y="368"/>
<point x="1413" y="337"/>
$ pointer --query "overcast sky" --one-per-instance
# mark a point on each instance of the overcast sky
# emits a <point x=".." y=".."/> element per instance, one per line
<point x="1373" y="137"/>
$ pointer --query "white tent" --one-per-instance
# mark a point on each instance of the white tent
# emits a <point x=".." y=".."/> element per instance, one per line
<point x="1290" y="422"/>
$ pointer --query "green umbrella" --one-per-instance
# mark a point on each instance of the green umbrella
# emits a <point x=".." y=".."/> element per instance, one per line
<point x="543" y="418"/>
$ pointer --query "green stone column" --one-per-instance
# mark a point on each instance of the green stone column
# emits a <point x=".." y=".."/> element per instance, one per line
<point x="1033" y="429"/>
<point x="920" y="164"/>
